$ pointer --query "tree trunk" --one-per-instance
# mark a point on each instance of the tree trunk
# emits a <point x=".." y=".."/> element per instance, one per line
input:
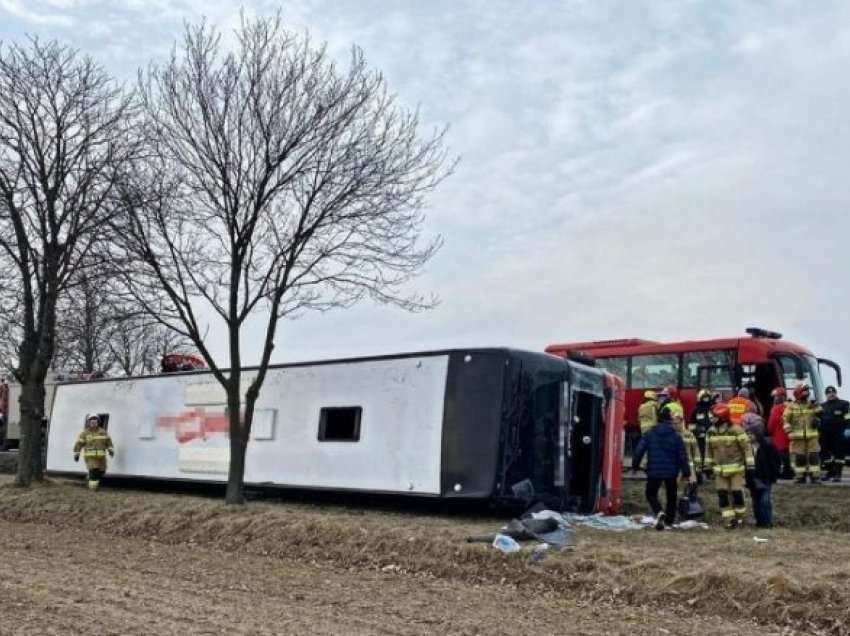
<point x="32" y="411"/>
<point x="235" y="493"/>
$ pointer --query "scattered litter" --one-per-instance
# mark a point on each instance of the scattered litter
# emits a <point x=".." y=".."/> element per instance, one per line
<point x="691" y="524"/>
<point x="552" y="531"/>
<point x="539" y="553"/>
<point x="506" y="544"/>
<point x="760" y="540"/>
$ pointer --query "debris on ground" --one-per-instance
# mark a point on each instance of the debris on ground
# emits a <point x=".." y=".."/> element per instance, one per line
<point x="691" y="524"/>
<point x="599" y="521"/>
<point x="506" y="544"/>
<point x="554" y="532"/>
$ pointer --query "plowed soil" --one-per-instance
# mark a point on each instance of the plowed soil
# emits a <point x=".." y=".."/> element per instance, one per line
<point x="123" y="561"/>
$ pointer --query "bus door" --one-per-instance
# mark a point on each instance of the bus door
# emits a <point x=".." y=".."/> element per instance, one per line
<point x="761" y="379"/>
<point x="580" y="443"/>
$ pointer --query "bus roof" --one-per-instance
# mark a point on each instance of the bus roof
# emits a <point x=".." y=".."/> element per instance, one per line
<point x="750" y="350"/>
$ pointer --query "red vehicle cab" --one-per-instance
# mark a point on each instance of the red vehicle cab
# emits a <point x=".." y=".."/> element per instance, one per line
<point x="761" y="362"/>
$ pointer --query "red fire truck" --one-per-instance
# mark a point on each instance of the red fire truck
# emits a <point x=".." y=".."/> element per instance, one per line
<point x="762" y="362"/>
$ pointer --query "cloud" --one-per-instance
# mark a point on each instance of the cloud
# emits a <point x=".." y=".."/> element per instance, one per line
<point x="664" y="170"/>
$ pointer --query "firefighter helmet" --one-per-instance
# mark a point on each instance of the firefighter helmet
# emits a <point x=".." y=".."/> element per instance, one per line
<point x="779" y="392"/>
<point x="801" y="391"/>
<point x="650" y="395"/>
<point x="721" y="411"/>
<point x="704" y="394"/>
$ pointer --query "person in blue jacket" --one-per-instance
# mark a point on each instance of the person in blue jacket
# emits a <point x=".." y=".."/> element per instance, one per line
<point x="667" y="460"/>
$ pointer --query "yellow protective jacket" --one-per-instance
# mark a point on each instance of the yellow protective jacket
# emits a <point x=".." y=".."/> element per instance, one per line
<point x="647" y="416"/>
<point x="800" y="420"/>
<point x="691" y="448"/>
<point x="676" y="408"/>
<point x="728" y="450"/>
<point x="95" y="444"/>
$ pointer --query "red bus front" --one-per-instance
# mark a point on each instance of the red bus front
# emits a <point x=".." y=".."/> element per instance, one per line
<point x="760" y="362"/>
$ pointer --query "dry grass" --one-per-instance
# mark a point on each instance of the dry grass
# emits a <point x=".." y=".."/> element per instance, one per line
<point x="823" y="507"/>
<point x="799" y="580"/>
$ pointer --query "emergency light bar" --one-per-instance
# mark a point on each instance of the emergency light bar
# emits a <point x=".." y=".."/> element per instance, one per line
<point x="755" y="332"/>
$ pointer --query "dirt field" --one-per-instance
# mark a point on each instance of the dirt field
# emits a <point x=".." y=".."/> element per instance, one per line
<point x="137" y="562"/>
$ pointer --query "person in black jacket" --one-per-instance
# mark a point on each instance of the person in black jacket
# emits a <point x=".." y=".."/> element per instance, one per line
<point x="667" y="460"/>
<point x="835" y="417"/>
<point x="767" y="470"/>
<point x="701" y="422"/>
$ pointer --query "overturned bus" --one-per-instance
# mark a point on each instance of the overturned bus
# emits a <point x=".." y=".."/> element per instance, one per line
<point x="488" y="424"/>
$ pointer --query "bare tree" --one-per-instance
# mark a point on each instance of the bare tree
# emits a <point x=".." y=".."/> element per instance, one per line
<point x="277" y="183"/>
<point x="139" y="344"/>
<point x="63" y="145"/>
<point x="88" y="319"/>
<point x="99" y="332"/>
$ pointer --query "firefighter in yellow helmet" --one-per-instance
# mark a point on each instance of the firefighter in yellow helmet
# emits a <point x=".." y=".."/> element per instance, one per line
<point x="647" y="415"/>
<point x="648" y="412"/>
<point x="669" y="397"/>
<point x="95" y="443"/>
<point x="800" y="421"/>
<point x="690" y="441"/>
<point x="729" y="456"/>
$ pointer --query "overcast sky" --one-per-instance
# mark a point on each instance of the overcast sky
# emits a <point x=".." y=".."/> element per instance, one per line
<point x="664" y="170"/>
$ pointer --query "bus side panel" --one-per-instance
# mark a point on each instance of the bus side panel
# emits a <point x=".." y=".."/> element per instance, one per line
<point x="472" y="424"/>
<point x="174" y="427"/>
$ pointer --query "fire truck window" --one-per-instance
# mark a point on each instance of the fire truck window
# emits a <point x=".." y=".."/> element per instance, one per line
<point x="719" y="363"/>
<point x="340" y="424"/>
<point x="654" y="371"/>
<point x="617" y="366"/>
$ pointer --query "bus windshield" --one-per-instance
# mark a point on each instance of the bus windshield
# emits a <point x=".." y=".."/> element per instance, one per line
<point x="811" y="374"/>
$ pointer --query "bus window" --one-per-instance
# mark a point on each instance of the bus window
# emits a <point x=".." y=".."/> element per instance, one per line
<point x="656" y="370"/>
<point x="617" y="366"/>
<point x="808" y="365"/>
<point x="719" y="364"/>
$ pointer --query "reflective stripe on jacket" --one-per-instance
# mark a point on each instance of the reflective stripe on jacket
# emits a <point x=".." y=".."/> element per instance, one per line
<point x="94" y="444"/>
<point x="728" y="450"/>
<point x="800" y="420"/>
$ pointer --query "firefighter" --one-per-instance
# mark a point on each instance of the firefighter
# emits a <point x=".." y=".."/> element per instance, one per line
<point x="800" y="421"/>
<point x="729" y="456"/>
<point x="701" y="423"/>
<point x="775" y="431"/>
<point x="741" y="405"/>
<point x="690" y="441"/>
<point x="95" y="443"/>
<point x="835" y="417"/>
<point x="648" y="412"/>
<point x="670" y="397"/>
